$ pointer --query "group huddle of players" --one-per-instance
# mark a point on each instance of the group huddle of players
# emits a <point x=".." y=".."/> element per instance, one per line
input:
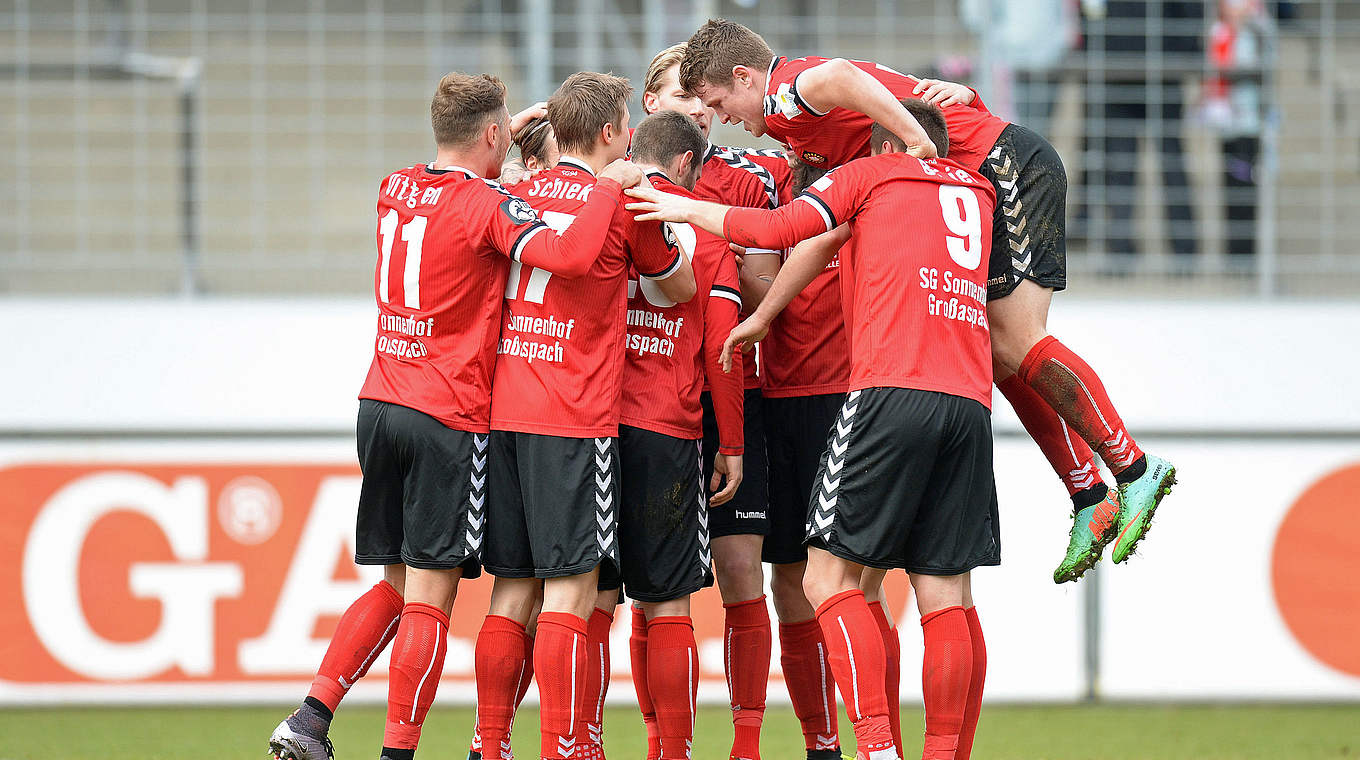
<point x="559" y="395"/>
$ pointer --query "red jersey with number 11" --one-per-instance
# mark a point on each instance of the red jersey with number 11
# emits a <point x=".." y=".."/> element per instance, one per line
<point x="560" y="366"/>
<point x="920" y="239"/>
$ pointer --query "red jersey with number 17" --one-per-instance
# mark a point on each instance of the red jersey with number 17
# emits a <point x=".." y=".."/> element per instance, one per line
<point x="919" y="246"/>
<point x="560" y="366"/>
<point x="840" y="135"/>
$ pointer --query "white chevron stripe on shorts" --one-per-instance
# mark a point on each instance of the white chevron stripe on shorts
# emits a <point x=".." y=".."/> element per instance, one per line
<point x="827" y="491"/>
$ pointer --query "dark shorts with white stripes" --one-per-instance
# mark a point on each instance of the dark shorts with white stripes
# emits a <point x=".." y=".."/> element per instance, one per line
<point x="906" y="482"/>
<point x="795" y="435"/>
<point x="1029" y="226"/>
<point x="553" y="507"/>
<point x="423" y="495"/>
<point x="663" y="524"/>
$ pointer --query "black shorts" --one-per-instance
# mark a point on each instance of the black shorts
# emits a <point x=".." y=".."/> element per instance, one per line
<point x="795" y="436"/>
<point x="663" y="525"/>
<point x="1029" y="226"/>
<point x="423" y="497"/>
<point x="552" y="508"/>
<point x="907" y="482"/>
<point x="747" y="514"/>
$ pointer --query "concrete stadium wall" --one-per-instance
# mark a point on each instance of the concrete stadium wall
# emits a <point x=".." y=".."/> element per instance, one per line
<point x="177" y="489"/>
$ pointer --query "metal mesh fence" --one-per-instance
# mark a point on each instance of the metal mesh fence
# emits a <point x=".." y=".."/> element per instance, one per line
<point x="234" y="146"/>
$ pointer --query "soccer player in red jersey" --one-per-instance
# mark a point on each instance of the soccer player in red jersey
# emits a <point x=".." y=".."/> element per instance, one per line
<point x="446" y="240"/>
<point x="906" y="480"/>
<point x="663" y="526"/>
<point x="823" y="110"/>
<point x="739" y="177"/>
<point x="554" y="469"/>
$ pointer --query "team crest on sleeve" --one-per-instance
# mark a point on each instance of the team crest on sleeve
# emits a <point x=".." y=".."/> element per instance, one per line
<point x="519" y="210"/>
<point x="813" y="158"/>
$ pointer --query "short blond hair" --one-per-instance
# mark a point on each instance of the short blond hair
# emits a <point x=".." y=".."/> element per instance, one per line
<point x="462" y="106"/>
<point x="718" y="46"/>
<point x="581" y="107"/>
<point x="660" y="64"/>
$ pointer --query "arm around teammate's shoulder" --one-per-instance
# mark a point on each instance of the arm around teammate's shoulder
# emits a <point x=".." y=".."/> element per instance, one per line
<point x="839" y="83"/>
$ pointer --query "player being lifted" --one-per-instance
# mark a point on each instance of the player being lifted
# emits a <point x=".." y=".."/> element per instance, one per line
<point x="823" y="109"/>
<point x="758" y="524"/>
<point x="446" y="241"/>
<point x="552" y="519"/>
<point x="663" y="527"/>
<point x="906" y="481"/>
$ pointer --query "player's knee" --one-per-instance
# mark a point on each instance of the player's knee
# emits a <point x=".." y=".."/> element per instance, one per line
<point x="786" y="586"/>
<point x="739" y="569"/>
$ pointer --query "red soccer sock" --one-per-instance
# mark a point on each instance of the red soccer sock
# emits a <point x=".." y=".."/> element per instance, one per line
<point x="892" y="674"/>
<point x="560" y="662"/>
<point x="637" y="651"/>
<point x="1068" y="455"/>
<point x="812" y="689"/>
<point x="363" y="632"/>
<point x="973" y="708"/>
<point x="945" y="675"/>
<point x="1073" y="390"/>
<point x="417" y="662"/>
<point x="856" y="652"/>
<point x="746" y="652"/>
<point x="503" y="661"/>
<point x="673" y="679"/>
<point x="590" y="719"/>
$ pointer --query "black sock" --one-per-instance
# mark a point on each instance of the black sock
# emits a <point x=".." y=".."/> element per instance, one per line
<point x="312" y="719"/>
<point x="1089" y="497"/>
<point x="320" y="707"/>
<point x="1132" y="472"/>
<point x="389" y="753"/>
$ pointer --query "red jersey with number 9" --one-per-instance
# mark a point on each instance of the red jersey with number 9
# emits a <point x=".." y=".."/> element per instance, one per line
<point x="919" y="246"/>
<point x="840" y="135"/>
<point x="560" y="364"/>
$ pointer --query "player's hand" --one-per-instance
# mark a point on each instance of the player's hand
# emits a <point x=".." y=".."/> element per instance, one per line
<point x="739" y="252"/>
<point x="654" y="205"/>
<point x="519" y="120"/>
<point x="940" y="93"/>
<point x="923" y="150"/>
<point x="624" y="172"/>
<point x="743" y="336"/>
<point x="725" y="467"/>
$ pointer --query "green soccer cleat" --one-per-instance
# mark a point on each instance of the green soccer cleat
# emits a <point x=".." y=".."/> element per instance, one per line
<point x="1092" y="528"/>
<point x="1138" y="502"/>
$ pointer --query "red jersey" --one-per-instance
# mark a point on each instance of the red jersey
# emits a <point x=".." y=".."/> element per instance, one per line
<point x="560" y="368"/>
<point x="839" y="135"/>
<point x="672" y="349"/>
<point x="744" y="177"/>
<point x="446" y="242"/>
<point x="806" y="353"/>
<point x="920" y="241"/>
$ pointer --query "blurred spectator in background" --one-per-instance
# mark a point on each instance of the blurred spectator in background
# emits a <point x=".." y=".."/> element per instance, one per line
<point x="1029" y="39"/>
<point x="1233" y="106"/>
<point x="1140" y="54"/>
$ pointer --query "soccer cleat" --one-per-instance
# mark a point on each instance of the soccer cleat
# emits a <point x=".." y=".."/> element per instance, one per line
<point x="1138" y="502"/>
<point x="1092" y="528"/>
<point x="287" y="744"/>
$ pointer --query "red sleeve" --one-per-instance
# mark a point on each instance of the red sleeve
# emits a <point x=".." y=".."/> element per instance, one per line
<point x="725" y="388"/>
<point x="825" y="205"/>
<point x="516" y="231"/>
<point x="653" y="249"/>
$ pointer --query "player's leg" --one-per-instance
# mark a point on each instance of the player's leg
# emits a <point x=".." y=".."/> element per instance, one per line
<point x="948" y="665"/>
<point x="589" y="730"/>
<point x="672" y="674"/>
<point x="572" y="488"/>
<point x="369" y="623"/>
<point x="503" y="662"/>
<point x="796" y="435"/>
<point x="854" y="648"/>
<point x="871" y="583"/>
<point x="738" y="529"/>
<point x="1028" y="263"/>
<point x="637" y="655"/>
<point x="973" y="707"/>
<point x="443" y="520"/>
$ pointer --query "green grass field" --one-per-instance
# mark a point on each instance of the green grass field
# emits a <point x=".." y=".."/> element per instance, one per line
<point x="1104" y="732"/>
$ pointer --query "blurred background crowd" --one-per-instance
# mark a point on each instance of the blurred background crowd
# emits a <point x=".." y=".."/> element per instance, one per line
<point x="234" y="146"/>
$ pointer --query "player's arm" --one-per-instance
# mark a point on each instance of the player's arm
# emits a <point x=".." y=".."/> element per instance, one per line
<point x="756" y="269"/>
<point x="519" y="234"/>
<point x="839" y="83"/>
<point x="774" y="229"/>
<point x="804" y="264"/>
<point x="725" y="388"/>
<point x="939" y="92"/>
